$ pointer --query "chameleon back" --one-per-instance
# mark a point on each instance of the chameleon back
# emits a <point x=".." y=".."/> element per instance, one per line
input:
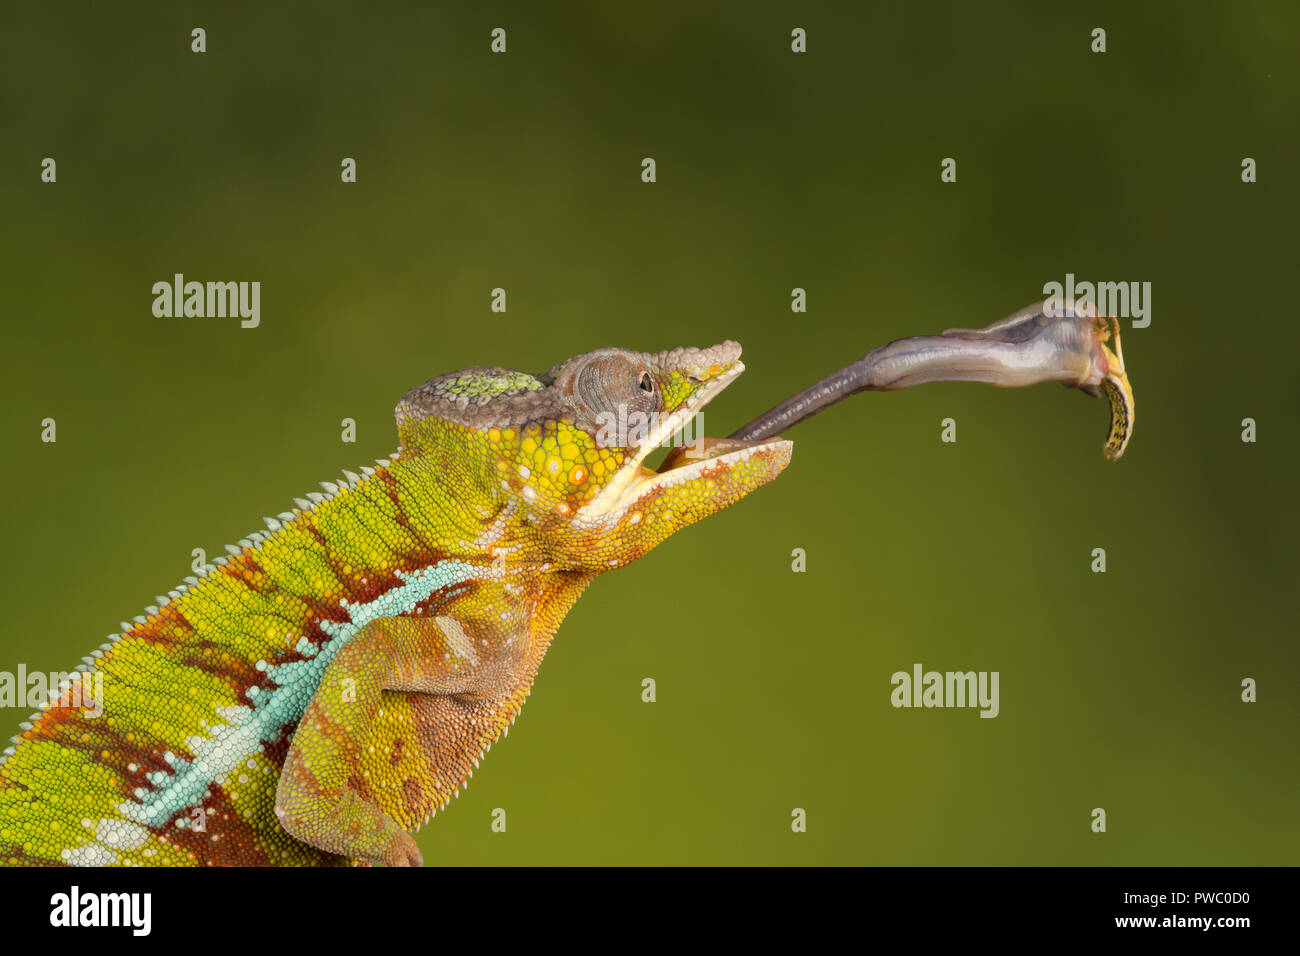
<point x="201" y="697"/>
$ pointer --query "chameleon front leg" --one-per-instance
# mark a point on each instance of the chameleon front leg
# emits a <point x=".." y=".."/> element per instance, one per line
<point x="322" y="797"/>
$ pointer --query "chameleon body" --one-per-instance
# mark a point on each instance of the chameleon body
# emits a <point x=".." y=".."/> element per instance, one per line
<point x="325" y="689"/>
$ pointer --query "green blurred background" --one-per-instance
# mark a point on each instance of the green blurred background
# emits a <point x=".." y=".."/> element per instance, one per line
<point x="775" y="170"/>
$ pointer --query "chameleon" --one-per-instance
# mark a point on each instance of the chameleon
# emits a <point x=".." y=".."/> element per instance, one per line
<point x="316" y="695"/>
<point x="334" y="681"/>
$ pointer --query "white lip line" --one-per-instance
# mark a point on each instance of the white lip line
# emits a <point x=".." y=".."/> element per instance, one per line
<point x="644" y="484"/>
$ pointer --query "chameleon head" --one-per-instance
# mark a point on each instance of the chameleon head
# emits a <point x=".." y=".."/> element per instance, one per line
<point x="566" y="451"/>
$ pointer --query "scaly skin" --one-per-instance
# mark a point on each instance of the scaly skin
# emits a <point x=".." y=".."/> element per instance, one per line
<point x="319" y="694"/>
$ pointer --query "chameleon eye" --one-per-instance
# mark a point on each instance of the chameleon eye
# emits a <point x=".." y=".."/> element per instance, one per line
<point x="647" y="384"/>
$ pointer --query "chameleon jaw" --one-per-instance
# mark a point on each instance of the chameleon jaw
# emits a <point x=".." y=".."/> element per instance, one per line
<point x="711" y="461"/>
<point x="634" y="480"/>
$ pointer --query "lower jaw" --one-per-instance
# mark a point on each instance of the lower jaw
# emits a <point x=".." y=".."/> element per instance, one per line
<point x="703" y="450"/>
<point x="682" y="464"/>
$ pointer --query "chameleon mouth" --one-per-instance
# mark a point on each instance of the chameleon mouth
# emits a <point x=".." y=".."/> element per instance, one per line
<point x="689" y="462"/>
<point x="708" y="449"/>
<point x="683" y="462"/>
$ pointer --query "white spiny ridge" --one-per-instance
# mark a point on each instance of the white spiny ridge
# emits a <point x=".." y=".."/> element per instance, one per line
<point x="88" y="662"/>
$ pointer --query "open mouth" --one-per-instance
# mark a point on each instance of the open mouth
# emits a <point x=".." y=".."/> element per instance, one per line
<point x="706" y="449"/>
<point x="683" y="463"/>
